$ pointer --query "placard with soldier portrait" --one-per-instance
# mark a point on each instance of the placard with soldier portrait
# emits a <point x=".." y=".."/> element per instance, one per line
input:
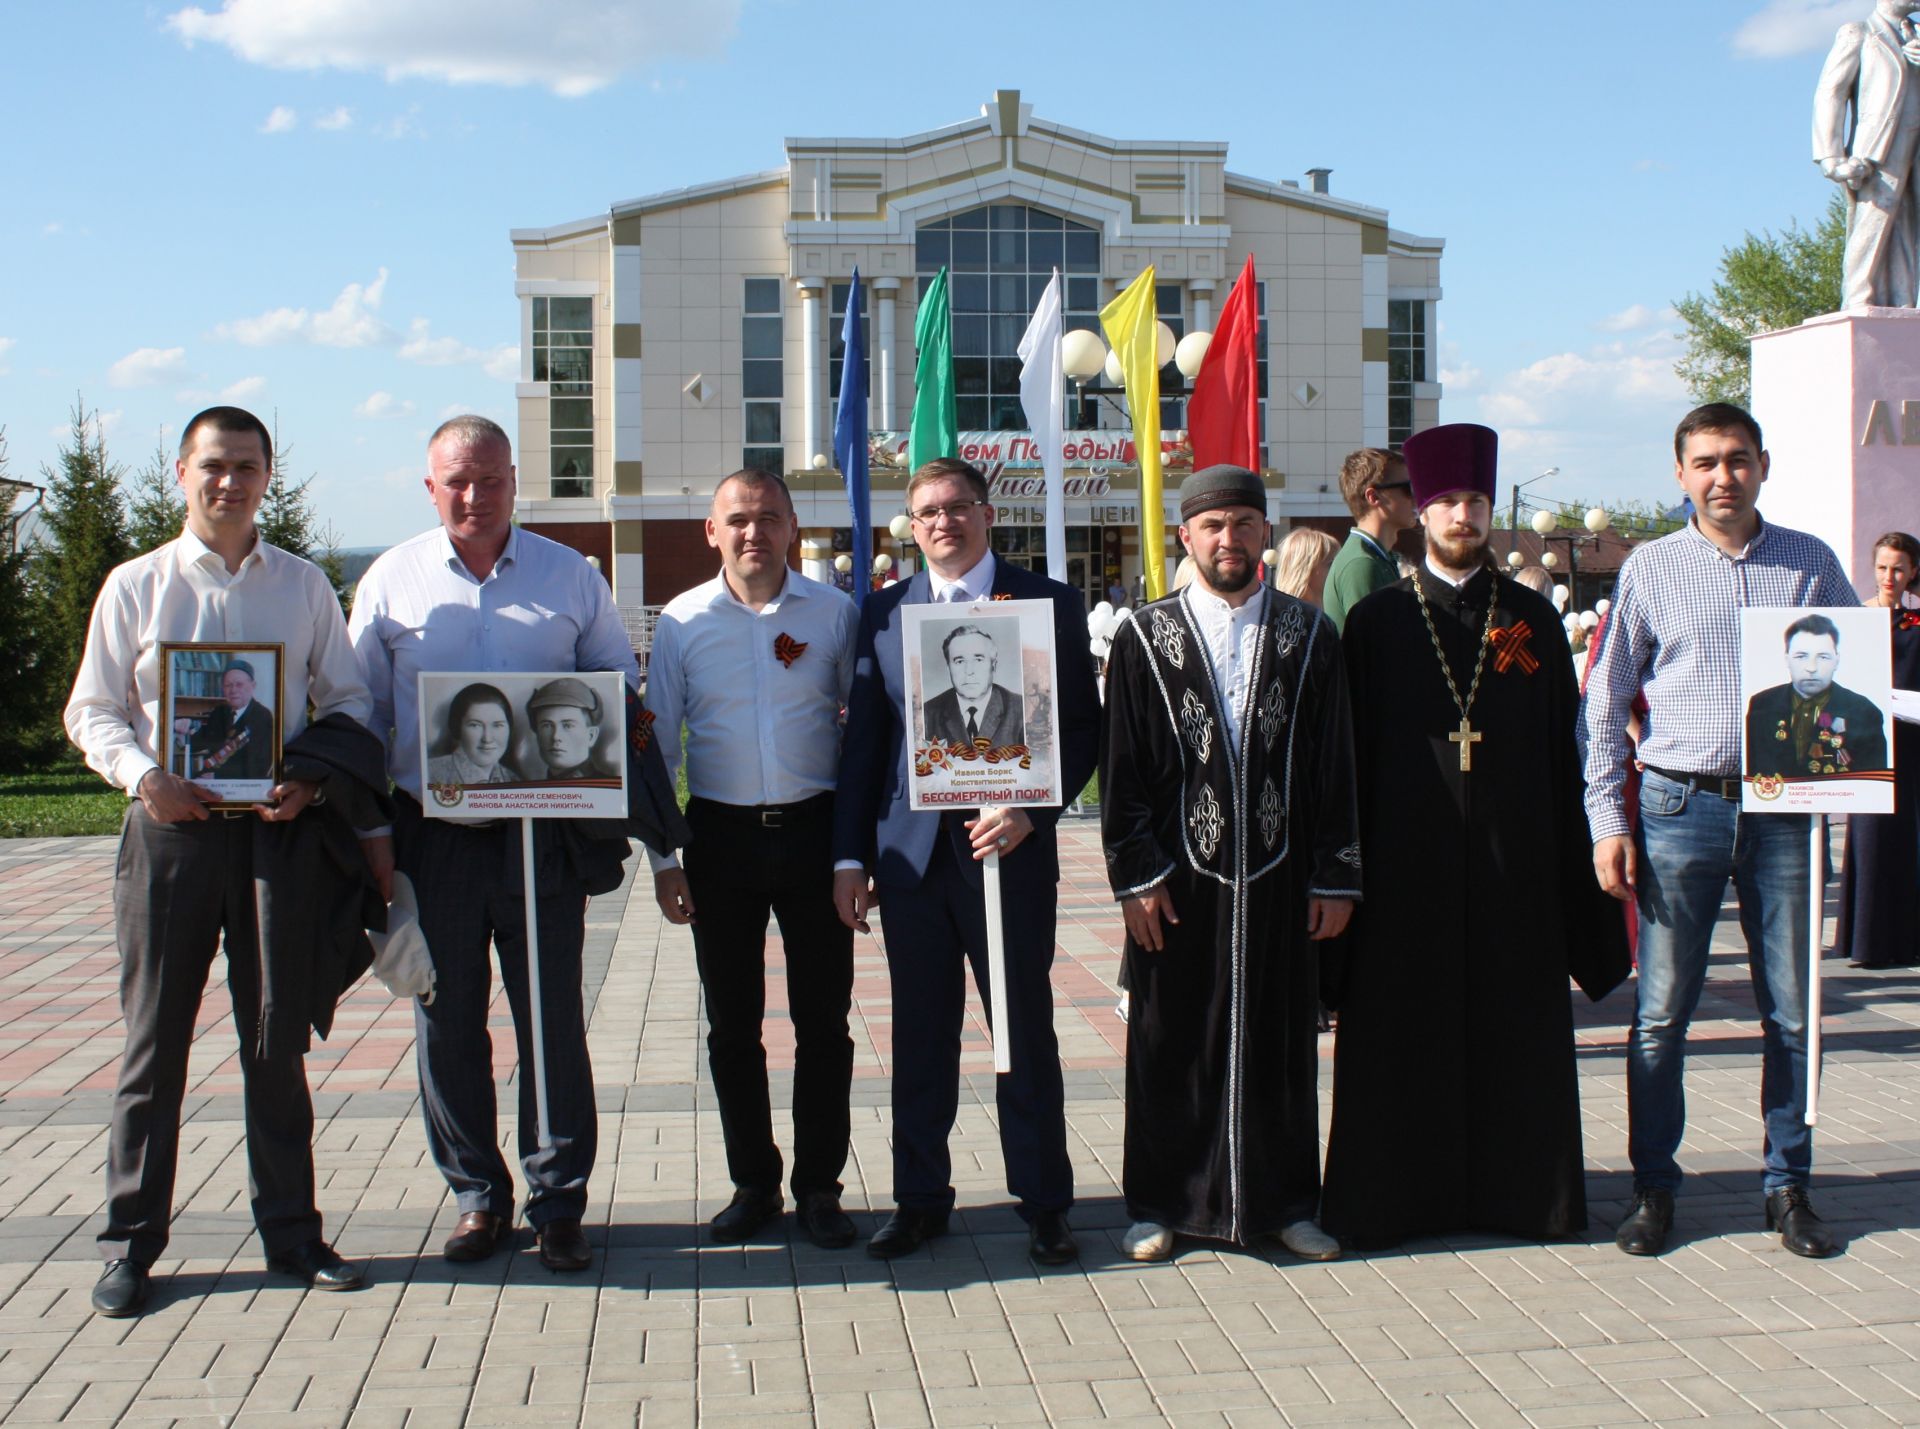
<point x="220" y="705"/>
<point x="499" y="745"/>
<point x="1817" y="688"/>
<point x="981" y="706"/>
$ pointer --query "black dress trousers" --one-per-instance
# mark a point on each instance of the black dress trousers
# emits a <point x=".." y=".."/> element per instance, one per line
<point x="744" y="864"/>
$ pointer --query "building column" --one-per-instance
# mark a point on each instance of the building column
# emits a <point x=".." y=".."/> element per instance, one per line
<point x="813" y="378"/>
<point x="1202" y="290"/>
<point x="884" y="290"/>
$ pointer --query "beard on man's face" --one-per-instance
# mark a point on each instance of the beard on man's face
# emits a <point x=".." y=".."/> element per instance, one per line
<point x="1460" y="548"/>
<point x="1228" y="581"/>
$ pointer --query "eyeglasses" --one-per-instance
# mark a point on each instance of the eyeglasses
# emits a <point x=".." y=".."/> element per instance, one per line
<point x="953" y="511"/>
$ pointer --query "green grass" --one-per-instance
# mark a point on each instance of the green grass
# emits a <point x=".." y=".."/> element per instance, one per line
<point x="66" y="798"/>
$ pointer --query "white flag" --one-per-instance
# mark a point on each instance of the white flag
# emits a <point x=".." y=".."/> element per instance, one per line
<point x="1043" y="398"/>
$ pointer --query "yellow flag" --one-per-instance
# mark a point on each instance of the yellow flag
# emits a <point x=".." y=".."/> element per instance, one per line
<point x="1132" y="325"/>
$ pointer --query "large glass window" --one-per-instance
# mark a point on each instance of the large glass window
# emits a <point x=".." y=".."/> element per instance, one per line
<point x="1001" y="257"/>
<point x="1406" y="364"/>
<point x="563" y="359"/>
<point x="762" y="375"/>
<point x="837" y="349"/>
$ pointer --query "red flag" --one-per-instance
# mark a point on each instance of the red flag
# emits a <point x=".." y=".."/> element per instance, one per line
<point x="1223" y="414"/>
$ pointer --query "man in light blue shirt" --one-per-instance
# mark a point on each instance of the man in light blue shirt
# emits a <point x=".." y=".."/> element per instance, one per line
<point x="479" y="594"/>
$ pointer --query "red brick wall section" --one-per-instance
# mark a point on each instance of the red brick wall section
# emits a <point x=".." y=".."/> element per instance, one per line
<point x="589" y="538"/>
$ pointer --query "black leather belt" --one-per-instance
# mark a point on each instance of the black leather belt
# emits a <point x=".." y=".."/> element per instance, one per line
<point x="1720" y="788"/>
<point x="766" y="816"/>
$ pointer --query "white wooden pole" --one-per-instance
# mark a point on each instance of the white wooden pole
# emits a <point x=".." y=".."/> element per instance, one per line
<point x="534" y="987"/>
<point x="996" y="964"/>
<point x="1816" y="916"/>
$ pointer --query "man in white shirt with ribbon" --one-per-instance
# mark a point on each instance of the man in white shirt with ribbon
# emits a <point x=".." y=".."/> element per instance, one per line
<point x="757" y="662"/>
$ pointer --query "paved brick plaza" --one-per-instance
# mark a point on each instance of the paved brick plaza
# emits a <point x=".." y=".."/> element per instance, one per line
<point x="668" y="1330"/>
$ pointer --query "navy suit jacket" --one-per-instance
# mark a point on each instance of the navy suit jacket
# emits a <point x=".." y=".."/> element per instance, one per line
<point x="872" y="820"/>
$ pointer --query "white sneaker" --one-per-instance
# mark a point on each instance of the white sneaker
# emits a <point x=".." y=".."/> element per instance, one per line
<point x="1147" y="1240"/>
<point x="1309" y="1242"/>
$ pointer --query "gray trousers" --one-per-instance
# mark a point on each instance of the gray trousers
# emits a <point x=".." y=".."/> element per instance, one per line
<point x="180" y="891"/>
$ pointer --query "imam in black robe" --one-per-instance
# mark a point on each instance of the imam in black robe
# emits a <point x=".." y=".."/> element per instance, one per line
<point x="1456" y="1102"/>
<point x="1222" y="1136"/>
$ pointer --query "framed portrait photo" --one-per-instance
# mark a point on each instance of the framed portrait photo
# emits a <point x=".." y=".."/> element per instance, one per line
<point x="981" y="704"/>
<point x="220" y="708"/>
<point x="515" y="745"/>
<point x="1816" y="686"/>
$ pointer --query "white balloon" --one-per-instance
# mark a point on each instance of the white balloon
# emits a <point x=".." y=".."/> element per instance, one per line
<point x="1114" y="622"/>
<point x="1560" y="596"/>
<point x="1588" y="619"/>
<point x="1602" y="605"/>
<point x="1098" y="647"/>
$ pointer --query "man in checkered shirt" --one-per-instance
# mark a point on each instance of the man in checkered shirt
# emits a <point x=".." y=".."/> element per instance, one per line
<point x="1674" y="634"/>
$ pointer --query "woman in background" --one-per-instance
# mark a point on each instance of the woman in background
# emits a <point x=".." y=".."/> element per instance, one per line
<point x="1306" y="558"/>
<point x="1879" y="925"/>
<point x="478" y="743"/>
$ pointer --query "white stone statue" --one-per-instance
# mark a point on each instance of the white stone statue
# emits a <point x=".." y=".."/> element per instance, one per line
<point x="1866" y="135"/>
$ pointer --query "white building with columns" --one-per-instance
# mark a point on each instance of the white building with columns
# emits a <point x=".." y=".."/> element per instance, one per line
<point x="675" y="338"/>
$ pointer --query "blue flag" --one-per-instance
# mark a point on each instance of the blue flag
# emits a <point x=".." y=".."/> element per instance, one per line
<point x="850" y="441"/>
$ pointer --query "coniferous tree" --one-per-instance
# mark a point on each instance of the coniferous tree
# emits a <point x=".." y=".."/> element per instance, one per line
<point x="156" y="509"/>
<point x="29" y="729"/>
<point x="86" y="537"/>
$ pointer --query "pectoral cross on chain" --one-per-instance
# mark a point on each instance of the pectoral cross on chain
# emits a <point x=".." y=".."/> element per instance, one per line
<point x="1466" y="738"/>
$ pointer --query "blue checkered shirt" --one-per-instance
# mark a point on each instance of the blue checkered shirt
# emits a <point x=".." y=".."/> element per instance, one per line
<point x="1674" y="634"/>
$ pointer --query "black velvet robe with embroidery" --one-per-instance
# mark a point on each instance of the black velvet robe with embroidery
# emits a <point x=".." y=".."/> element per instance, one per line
<point x="1222" y="1136"/>
<point x="1455" y="1099"/>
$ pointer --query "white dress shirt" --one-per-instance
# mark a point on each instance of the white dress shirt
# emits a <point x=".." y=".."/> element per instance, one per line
<point x="182" y="592"/>
<point x="1231" y="635"/>
<point x="759" y="730"/>
<point x="976" y="584"/>
<point x="419" y="608"/>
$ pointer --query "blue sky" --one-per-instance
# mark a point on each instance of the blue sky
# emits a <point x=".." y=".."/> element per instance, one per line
<point x="304" y="208"/>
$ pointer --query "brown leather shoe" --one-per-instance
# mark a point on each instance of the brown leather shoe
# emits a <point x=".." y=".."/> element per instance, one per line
<point x="563" y="1246"/>
<point x="477" y="1236"/>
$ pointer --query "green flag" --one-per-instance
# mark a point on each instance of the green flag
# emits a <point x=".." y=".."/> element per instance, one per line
<point x="936" y="428"/>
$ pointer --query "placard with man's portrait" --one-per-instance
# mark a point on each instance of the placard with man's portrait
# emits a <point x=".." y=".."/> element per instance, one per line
<point x="981" y="709"/>
<point x="1817" y="687"/>
<point x="220" y="709"/>
<point x="496" y="745"/>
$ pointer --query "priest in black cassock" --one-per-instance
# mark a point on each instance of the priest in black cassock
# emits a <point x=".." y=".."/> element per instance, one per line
<point x="1227" y="807"/>
<point x="1455" y="1098"/>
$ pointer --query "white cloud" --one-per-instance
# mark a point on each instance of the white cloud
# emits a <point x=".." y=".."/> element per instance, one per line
<point x="52" y="230"/>
<point x="383" y="404"/>
<point x="102" y="426"/>
<point x="147" y="366"/>
<point x="572" y="51"/>
<point x="280" y="121"/>
<point x="341" y="118"/>
<point x="351" y="321"/>
<point x="501" y="363"/>
<point x="1636" y="317"/>
<point x="243" y="389"/>
<point x="1793" y="27"/>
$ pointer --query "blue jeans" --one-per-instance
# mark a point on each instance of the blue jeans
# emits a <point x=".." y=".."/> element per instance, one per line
<point x="1690" y="843"/>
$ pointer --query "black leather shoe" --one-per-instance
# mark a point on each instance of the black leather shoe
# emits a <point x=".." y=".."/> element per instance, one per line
<point x="1049" y="1241"/>
<point x="122" y="1289"/>
<point x="1649" y="1219"/>
<point x="827" y="1226"/>
<point x="906" y="1230"/>
<point x="318" y="1265"/>
<point x="563" y="1245"/>
<point x="477" y="1236"/>
<point x="745" y="1214"/>
<point x="1790" y="1211"/>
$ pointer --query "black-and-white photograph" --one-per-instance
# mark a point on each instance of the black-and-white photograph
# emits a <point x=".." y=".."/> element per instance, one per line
<point x="546" y="744"/>
<point x="1817" y="685"/>
<point x="981" y="704"/>
<point x="221" y="708"/>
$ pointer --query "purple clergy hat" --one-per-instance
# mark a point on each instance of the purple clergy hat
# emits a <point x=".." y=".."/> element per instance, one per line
<point x="1461" y="456"/>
